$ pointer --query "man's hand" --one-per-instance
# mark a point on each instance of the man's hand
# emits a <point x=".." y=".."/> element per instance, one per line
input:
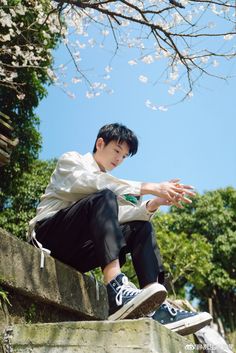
<point x="171" y="191"/>
<point x="154" y="204"/>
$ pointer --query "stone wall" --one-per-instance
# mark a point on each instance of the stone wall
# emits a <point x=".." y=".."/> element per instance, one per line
<point x="55" y="293"/>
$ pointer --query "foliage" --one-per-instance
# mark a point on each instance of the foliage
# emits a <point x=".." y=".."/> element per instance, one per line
<point x="4" y="296"/>
<point x="183" y="269"/>
<point x="28" y="32"/>
<point x="210" y="223"/>
<point x="25" y="56"/>
<point x="31" y="314"/>
<point x="21" y="205"/>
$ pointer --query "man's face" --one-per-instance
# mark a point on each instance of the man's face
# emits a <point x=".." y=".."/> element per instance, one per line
<point x="111" y="155"/>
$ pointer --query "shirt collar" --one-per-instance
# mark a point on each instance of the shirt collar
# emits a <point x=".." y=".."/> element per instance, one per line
<point x="91" y="163"/>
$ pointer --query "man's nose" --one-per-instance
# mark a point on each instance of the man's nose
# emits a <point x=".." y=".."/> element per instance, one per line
<point x="119" y="159"/>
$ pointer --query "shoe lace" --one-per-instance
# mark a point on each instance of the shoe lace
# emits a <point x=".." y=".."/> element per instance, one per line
<point x="172" y="310"/>
<point x="126" y="288"/>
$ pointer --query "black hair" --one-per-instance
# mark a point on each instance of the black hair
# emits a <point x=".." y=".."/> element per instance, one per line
<point x="120" y="133"/>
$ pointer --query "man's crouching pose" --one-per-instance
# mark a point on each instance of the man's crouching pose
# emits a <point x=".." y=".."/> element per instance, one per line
<point x="87" y="218"/>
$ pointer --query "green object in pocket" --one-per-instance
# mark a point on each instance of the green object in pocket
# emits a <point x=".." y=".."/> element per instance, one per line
<point x="131" y="198"/>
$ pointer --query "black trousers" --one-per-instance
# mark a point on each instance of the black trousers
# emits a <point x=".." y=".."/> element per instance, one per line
<point x="87" y="235"/>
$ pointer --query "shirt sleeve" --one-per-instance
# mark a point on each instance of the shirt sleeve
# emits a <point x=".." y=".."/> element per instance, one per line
<point x="129" y="213"/>
<point x="72" y="177"/>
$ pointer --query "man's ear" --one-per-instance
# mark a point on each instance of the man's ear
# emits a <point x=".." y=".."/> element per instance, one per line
<point x="100" y="144"/>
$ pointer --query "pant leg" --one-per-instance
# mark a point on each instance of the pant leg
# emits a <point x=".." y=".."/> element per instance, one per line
<point x="142" y="245"/>
<point x="87" y="234"/>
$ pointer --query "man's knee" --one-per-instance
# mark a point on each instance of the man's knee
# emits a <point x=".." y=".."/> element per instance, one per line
<point x="106" y="199"/>
<point x="107" y="193"/>
<point x="142" y="230"/>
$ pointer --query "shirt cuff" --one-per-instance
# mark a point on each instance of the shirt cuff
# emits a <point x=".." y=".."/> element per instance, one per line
<point x="145" y="210"/>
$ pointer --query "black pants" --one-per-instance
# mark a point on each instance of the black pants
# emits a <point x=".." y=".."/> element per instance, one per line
<point x="87" y="235"/>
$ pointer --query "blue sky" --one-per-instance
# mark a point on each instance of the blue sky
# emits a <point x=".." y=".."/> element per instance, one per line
<point x="194" y="140"/>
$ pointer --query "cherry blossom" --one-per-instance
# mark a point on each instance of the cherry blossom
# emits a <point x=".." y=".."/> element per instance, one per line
<point x="190" y="37"/>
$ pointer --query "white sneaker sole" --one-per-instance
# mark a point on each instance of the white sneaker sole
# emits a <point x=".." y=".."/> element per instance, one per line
<point x="191" y="324"/>
<point x="147" y="300"/>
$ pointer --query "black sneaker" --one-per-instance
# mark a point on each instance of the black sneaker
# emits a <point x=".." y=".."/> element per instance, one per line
<point x="181" y="321"/>
<point x="128" y="302"/>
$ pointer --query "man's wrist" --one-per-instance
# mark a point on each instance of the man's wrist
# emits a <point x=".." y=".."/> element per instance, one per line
<point x="150" y="189"/>
<point x="150" y="208"/>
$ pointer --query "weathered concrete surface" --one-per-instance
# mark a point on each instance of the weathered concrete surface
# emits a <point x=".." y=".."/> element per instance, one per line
<point x="125" y="336"/>
<point x="56" y="284"/>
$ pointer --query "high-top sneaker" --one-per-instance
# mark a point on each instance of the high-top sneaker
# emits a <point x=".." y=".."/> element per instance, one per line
<point x="181" y="321"/>
<point x="128" y="302"/>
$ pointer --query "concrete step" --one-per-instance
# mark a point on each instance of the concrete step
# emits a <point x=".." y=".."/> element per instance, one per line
<point x="57" y="291"/>
<point x="125" y="336"/>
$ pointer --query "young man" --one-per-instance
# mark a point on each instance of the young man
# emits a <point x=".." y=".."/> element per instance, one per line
<point x="87" y="218"/>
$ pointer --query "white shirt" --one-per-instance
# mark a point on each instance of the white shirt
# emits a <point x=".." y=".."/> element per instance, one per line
<point x="77" y="176"/>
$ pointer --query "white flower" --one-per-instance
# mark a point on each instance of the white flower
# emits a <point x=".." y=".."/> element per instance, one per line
<point x="211" y="25"/>
<point x="6" y="20"/>
<point x="77" y="56"/>
<point x="162" y="108"/>
<point x="148" y="59"/>
<point x="225" y="9"/>
<point x="89" y="95"/>
<point x="14" y="75"/>
<point x="177" y="18"/>
<point x="5" y="38"/>
<point x="76" y="80"/>
<point x="106" y="77"/>
<point x="95" y="85"/>
<point x="174" y="75"/>
<point x="105" y="32"/>
<point x="228" y="37"/>
<point x="204" y="59"/>
<point x="98" y="85"/>
<point x="132" y="62"/>
<point x="21" y="96"/>
<point x="92" y="42"/>
<point x="20" y="9"/>
<point x="108" y="68"/>
<point x="52" y="75"/>
<point x="215" y="63"/>
<point x="70" y="94"/>
<point x="143" y="79"/>
<point x="81" y="45"/>
<point x="125" y="23"/>
<point x="190" y="94"/>
<point x="189" y="17"/>
<point x="150" y="105"/>
<point x="172" y="90"/>
<point x="13" y="13"/>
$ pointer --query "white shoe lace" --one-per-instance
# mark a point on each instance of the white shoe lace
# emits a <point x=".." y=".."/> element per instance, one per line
<point x="172" y="310"/>
<point x="126" y="288"/>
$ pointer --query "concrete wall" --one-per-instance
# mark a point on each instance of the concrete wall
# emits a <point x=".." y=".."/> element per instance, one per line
<point x="59" y="294"/>
<point x="125" y="336"/>
<point x="55" y="293"/>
